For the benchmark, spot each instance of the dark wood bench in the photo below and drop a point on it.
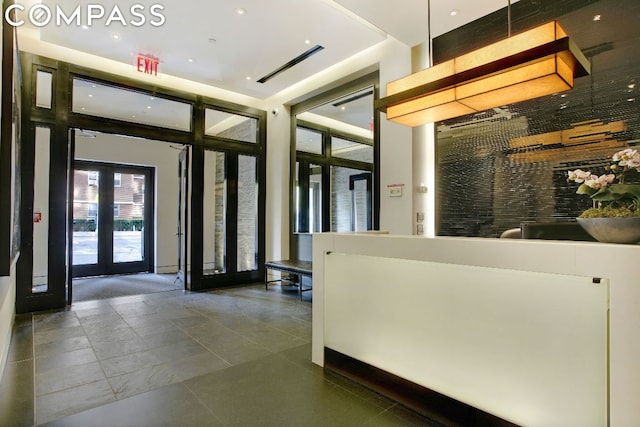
(296, 268)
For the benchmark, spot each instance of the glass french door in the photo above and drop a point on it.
(112, 219)
(232, 220)
(183, 216)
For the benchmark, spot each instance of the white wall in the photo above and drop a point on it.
(395, 150)
(393, 60)
(164, 157)
(278, 159)
(7, 314)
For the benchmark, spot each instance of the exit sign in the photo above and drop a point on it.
(148, 64)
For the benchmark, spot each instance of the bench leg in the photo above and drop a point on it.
(300, 285)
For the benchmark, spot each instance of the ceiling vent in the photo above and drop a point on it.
(298, 59)
(352, 98)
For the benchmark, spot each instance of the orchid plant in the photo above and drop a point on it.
(611, 199)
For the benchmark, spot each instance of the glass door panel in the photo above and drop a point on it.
(41, 211)
(86, 191)
(214, 212)
(112, 219)
(247, 214)
(350, 203)
(315, 199)
(128, 217)
(360, 186)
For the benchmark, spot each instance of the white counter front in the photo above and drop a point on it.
(535, 332)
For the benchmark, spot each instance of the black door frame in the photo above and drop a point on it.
(367, 177)
(61, 118)
(105, 264)
(183, 217)
(231, 277)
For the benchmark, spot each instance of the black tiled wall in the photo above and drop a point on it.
(489, 180)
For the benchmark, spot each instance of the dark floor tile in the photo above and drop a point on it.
(59, 334)
(162, 326)
(64, 360)
(191, 321)
(62, 346)
(399, 416)
(61, 379)
(301, 356)
(67, 402)
(108, 350)
(22, 320)
(109, 321)
(236, 351)
(21, 346)
(165, 338)
(92, 309)
(141, 320)
(57, 320)
(272, 339)
(124, 332)
(17, 395)
(195, 366)
(172, 405)
(179, 350)
(272, 390)
(141, 381)
(209, 329)
(129, 363)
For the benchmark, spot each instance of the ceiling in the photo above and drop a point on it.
(211, 42)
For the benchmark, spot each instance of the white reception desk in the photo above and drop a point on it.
(537, 332)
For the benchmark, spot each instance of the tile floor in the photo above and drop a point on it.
(238, 357)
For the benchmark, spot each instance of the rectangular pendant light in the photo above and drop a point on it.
(535, 63)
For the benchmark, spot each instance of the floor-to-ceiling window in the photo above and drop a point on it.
(109, 228)
(334, 153)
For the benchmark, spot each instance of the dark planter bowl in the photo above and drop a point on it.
(612, 230)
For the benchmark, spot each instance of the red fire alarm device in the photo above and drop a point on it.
(37, 216)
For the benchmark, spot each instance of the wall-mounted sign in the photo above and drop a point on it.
(395, 190)
(148, 64)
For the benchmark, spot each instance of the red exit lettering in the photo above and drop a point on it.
(148, 64)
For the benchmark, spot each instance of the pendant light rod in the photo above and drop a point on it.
(429, 33)
(509, 18)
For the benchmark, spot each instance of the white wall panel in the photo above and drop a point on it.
(528, 347)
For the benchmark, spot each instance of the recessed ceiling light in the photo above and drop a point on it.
(248, 77)
(190, 59)
(148, 107)
(307, 41)
(343, 108)
(597, 17)
(116, 36)
(241, 11)
(454, 12)
(90, 95)
(85, 27)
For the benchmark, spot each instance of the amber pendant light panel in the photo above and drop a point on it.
(535, 63)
